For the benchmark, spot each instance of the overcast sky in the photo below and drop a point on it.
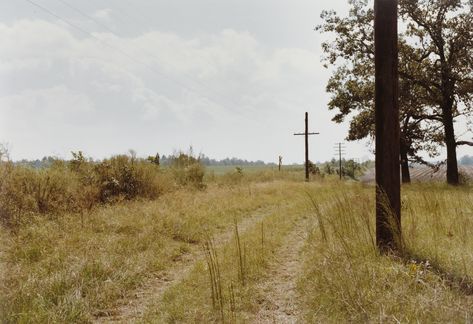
(229, 77)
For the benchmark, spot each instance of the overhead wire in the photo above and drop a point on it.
(107, 44)
(82, 13)
(129, 17)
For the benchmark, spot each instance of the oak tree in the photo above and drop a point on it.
(435, 69)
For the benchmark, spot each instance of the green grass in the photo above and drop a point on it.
(72, 267)
(219, 170)
(345, 278)
(68, 269)
(240, 263)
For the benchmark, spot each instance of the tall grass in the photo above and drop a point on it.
(79, 185)
(438, 226)
(58, 269)
(242, 263)
(346, 279)
(89, 235)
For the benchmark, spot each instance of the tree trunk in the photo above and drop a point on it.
(450, 142)
(405, 172)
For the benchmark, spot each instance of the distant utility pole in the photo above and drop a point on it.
(339, 151)
(306, 134)
(388, 212)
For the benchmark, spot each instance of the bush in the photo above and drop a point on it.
(188, 171)
(79, 185)
(25, 191)
(464, 177)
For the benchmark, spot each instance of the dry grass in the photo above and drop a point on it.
(347, 280)
(438, 227)
(68, 269)
(74, 267)
(222, 287)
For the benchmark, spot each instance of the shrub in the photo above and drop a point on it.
(24, 191)
(313, 169)
(188, 171)
(124, 177)
(465, 178)
(80, 185)
(234, 177)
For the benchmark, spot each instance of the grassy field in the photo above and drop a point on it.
(258, 247)
(219, 170)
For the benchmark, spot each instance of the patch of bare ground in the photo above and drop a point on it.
(134, 306)
(279, 296)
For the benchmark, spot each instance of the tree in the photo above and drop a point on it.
(155, 159)
(435, 68)
(466, 160)
(4, 153)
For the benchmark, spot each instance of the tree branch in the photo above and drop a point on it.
(464, 143)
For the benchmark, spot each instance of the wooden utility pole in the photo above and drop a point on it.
(306, 134)
(340, 147)
(388, 213)
(340, 159)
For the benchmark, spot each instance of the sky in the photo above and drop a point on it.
(230, 78)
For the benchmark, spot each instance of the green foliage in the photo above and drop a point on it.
(435, 70)
(124, 177)
(466, 160)
(24, 191)
(187, 170)
(76, 186)
(155, 159)
(350, 168)
(313, 169)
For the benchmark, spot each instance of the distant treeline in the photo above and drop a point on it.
(466, 160)
(166, 160)
(205, 160)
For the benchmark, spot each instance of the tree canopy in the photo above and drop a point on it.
(435, 68)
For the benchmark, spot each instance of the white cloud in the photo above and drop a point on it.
(57, 104)
(199, 86)
(103, 14)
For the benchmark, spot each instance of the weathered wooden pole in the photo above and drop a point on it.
(340, 159)
(306, 146)
(388, 213)
(306, 136)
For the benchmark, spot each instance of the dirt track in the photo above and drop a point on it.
(133, 308)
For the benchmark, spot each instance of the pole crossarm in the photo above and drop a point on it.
(307, 133)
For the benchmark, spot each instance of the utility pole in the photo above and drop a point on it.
(339, 151)
(306, 134)
(388, 213)
(340, 159)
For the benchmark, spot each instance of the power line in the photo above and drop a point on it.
(151, 68)
(87, 16)
(203, 85)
